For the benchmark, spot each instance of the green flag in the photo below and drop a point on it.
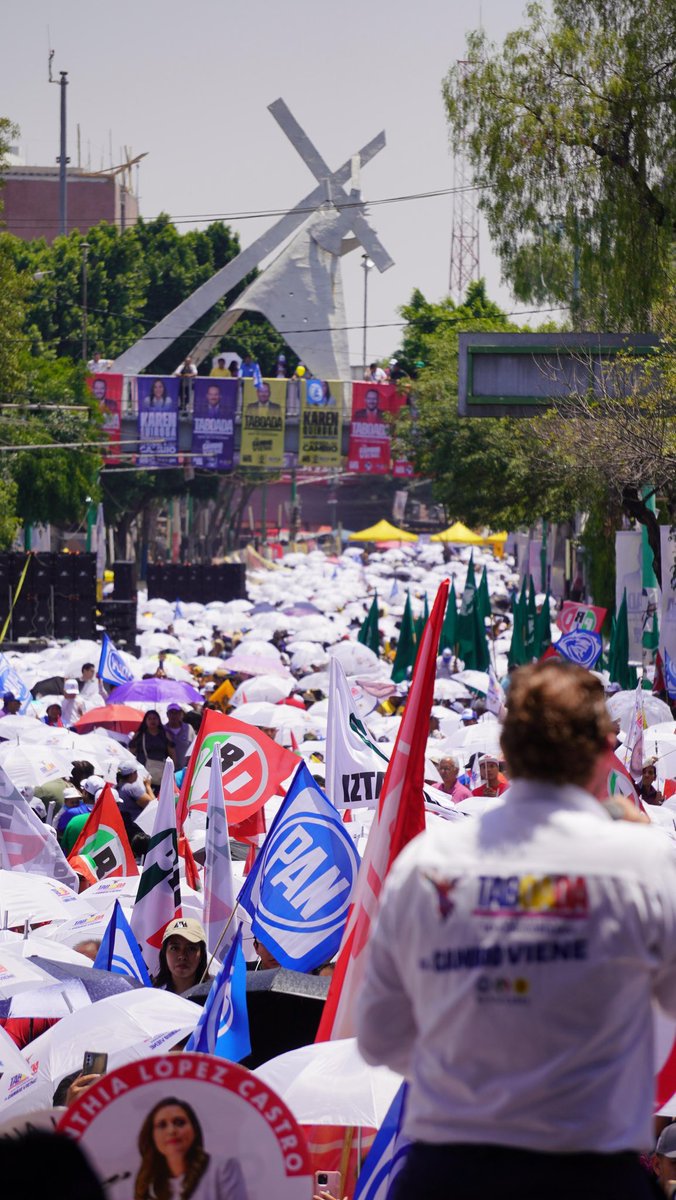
(368, 634)
(472, 646)
(543, 629)
(449, 632)
(618, 653)
(484, 596)
(406, 646)
(516, 656)
(530, 614)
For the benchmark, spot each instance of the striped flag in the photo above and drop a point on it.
(219, 891)
(158, 899)
(400, 817)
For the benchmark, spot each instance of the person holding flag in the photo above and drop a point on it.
(527, 1041)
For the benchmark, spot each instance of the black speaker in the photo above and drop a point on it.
(84, 574)
(124, 587)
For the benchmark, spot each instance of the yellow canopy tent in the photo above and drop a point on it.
(496, 541)
(459, 534)
(382, 532)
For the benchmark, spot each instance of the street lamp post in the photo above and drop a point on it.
(366, 264)
(84, 246)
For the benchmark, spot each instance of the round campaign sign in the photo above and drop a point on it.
(204, 1125)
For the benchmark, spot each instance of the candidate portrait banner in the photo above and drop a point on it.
(369, 449)
(263, 408)
(213, 426)
(107, 389)
(157, 420)
(320, 423)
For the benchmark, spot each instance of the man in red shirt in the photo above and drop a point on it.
(494, 783)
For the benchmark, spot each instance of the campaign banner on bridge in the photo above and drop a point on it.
(298, 891)
(369, 449)
(157, 420)
(107, 389)
(263, 408)
(320, 423)
(213, 425)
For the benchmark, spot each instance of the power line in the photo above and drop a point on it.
(267, 213)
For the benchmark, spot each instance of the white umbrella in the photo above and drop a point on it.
(127, 1026)
(62, 934)
(302, 660)
(102, 895)
(29, 729)
(37, 898)
(256, 645)
(32, 765)
(329, 1083)
(355, 659)
(621, 708)
(316, 681)
(270, 688)
(476, 680)
(449, 689)
(206, 662)
(260, 713)
(482, 739)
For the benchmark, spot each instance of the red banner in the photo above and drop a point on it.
(369, 448)
(107, 389)
(580, 616)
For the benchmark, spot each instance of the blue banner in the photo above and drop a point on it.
(669, 675)
(581, 646)
(112, 667)
(213, 430)
(157, 420)
(387, 1154)
(299, 890)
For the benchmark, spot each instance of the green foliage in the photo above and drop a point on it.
(133, 280)
(570, 128)
(485, 471)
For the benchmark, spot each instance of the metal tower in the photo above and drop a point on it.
(465, 227)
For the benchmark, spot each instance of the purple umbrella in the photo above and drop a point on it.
(155, 691)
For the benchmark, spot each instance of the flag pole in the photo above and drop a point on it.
(225, 930)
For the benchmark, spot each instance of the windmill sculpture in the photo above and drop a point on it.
(300, 292)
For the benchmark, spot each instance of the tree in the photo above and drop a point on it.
(570, 129)
(485, 471)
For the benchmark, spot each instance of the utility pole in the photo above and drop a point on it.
(84, 246)
(366, 264)
(63, 159)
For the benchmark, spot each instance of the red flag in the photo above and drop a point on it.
(192, 875)
(103, 849)
(253, 768)
(400, 817)
(659, 683)
(252, 831)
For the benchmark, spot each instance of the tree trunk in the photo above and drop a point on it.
(635, 506)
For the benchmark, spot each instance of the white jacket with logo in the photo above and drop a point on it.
(511, 972)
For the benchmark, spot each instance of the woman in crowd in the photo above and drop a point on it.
(174, 1163)
(183, 956)
(151, 746)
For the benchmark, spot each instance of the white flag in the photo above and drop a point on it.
(158, 899)
(495, 696)
(355, 767)
(219, 892)
(25, 843)
(636, 735)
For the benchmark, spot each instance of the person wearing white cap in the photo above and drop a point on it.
(73, 706)
(183, 956)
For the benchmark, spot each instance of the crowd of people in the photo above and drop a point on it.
(567, 1077)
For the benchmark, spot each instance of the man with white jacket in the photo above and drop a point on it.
(513, 967)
